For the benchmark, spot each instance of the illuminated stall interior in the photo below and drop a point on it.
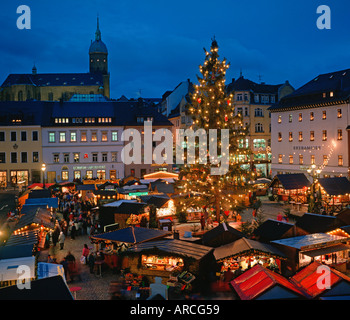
(334, 193)
(291, 187)
(245, 253)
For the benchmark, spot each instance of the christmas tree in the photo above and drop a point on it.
(212, 107)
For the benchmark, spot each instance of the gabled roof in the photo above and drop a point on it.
(41, 289)
(158, 201)
(272, 230)
(256, 281)
(245, 246)
(291, 181)
(316, 223)
(39, 216)
(174, 246)
(307, 279)
(335, 186)
(221, 235)
(242, 84)
(132, 235)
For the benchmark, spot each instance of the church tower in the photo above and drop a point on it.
(98, 54)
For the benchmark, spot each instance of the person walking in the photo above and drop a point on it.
(91, 261)
(61, 239)
(73, 231)
(85, 253)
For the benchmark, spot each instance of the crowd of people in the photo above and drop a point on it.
(75, 218)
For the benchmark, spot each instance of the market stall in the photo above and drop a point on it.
(325, 248)
(291, 187)
(114, 242)
(334, 193)
(175, 261)
(245, 253)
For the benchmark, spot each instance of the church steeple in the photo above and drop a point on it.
(98, 32)
(98, 53)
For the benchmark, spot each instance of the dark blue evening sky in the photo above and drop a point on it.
(154, 45)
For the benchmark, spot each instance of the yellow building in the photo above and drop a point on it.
(252, 101)
(20, 143)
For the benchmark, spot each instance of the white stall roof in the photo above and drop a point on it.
(9, 268)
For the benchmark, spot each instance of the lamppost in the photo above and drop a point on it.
(43, 168)
(314, 173)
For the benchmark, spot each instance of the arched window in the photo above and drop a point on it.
(259, 127)
(20, 95)
(259, 112)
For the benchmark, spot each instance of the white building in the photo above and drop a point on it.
(83, 142)
(309, 127)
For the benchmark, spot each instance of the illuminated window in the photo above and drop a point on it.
(300, 117)
(279, 136)
(104, 136)
(300, 136)
(290, 118)
(279, 119)
(324, 135)
(52, 137)
(301, 159)
(312, 116)
(83, 137)
(62, 137)
(339, 115)
(340, 160)
(65, 175)
(280, 158)
(312, 135)
(324, 115)
(89, 174)
(291, 159)
(76, 157)
(114, 135)
(325, 160)
(94, 136)
(290, 136)
(340, 134)
(312, 159)
(73, 137)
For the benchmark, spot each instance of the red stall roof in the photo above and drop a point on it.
(307, 279)
(255, 281)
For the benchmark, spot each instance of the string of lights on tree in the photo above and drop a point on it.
(212, 107)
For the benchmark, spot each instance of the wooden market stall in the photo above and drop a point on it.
(335, 193)
(326, 248)
(221, 235)
(114, 242)
(291, 187)
(307, 279)
(245, 253)
(123, 212)
(173, 260)
(259, 283)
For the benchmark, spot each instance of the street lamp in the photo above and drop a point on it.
(43, 168)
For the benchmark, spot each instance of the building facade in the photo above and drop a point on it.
(21, 142)
(310, 127)
(252, 101)
(61, 86)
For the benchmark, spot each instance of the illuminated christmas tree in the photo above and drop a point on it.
(212, 107)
